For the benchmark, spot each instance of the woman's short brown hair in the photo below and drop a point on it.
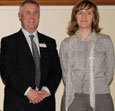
(84, 4)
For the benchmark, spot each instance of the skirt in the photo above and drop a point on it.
(81, 102)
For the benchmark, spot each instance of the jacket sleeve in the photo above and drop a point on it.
(63, 60)
(8, 64)
(110, 60)
(55, 72)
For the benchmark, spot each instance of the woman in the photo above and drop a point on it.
(87, 60)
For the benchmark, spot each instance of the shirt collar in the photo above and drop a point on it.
(27, 33)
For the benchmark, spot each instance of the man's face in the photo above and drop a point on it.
(29, 17)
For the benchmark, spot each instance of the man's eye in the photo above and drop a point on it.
(36, 13)
(27, 12)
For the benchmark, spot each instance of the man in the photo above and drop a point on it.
(20, 65)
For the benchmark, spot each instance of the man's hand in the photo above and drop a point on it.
(43, 94)
(34, 96)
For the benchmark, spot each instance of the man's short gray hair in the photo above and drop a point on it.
(29, 2)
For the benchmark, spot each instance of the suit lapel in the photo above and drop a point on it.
(43, 53)
(42, 41)
(24, 44)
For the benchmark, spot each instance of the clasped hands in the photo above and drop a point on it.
(36, 96)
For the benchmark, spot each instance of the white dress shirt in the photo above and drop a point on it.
(26, 34)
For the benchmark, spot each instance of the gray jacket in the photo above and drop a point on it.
(103, 64)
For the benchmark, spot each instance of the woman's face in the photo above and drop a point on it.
(85, 18)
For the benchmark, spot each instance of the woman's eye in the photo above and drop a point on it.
(80, 13)
(89, 13)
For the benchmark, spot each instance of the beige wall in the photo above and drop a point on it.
(53, 22)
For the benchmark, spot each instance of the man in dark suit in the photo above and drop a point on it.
(18, 65)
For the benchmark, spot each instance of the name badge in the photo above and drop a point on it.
(42, 45)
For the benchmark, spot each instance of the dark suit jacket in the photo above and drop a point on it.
(18, 72)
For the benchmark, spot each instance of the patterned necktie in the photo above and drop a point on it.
(36, 57)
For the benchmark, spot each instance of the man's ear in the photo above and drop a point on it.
(19, 15)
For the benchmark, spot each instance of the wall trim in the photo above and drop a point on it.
(7, 8)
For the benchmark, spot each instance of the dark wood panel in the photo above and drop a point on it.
(54, 2)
